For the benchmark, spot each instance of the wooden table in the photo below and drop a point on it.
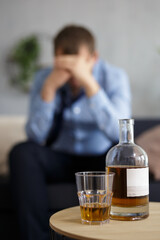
(67, 223)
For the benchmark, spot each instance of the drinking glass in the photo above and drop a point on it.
(94, 191)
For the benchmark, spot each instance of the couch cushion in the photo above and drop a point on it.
(11, 131)
(150, 142)
(141, 125)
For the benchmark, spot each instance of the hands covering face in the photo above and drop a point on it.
(68, 67)
(77, 66)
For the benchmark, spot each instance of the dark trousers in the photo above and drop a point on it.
(31, 168)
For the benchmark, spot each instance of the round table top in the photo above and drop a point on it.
(68, 223)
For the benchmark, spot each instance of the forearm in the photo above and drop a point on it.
(49, 89)
(56, 79)
(91, 86)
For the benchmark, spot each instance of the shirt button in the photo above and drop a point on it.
(102, 127)
(76, 110)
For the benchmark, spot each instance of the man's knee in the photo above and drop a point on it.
(20, 152)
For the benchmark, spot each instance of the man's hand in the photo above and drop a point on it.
(81, 70)
(55, 80)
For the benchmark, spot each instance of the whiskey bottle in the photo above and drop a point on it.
(129, 162)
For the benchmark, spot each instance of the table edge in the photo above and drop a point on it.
(71, 235)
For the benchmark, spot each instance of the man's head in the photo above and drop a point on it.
(76, 41)
(71, 38)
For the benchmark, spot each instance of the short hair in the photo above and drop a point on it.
(71, 37)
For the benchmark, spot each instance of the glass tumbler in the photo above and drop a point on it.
(95, 196)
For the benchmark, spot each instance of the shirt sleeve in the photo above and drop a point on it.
(112, 102)
(41, 113)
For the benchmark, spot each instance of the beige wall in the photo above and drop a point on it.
(128, 34)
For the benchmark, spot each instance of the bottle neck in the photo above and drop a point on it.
(126, 133)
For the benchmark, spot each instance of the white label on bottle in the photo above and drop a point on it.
(137, 182)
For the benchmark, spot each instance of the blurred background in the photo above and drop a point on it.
(127, 35)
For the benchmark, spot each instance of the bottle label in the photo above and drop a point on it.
(137, 182)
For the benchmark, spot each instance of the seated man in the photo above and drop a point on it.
(73, 121)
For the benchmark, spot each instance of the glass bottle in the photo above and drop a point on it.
(131, 182)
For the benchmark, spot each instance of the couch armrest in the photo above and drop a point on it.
(12, 131)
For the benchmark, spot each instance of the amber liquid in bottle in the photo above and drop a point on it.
(120, 198)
